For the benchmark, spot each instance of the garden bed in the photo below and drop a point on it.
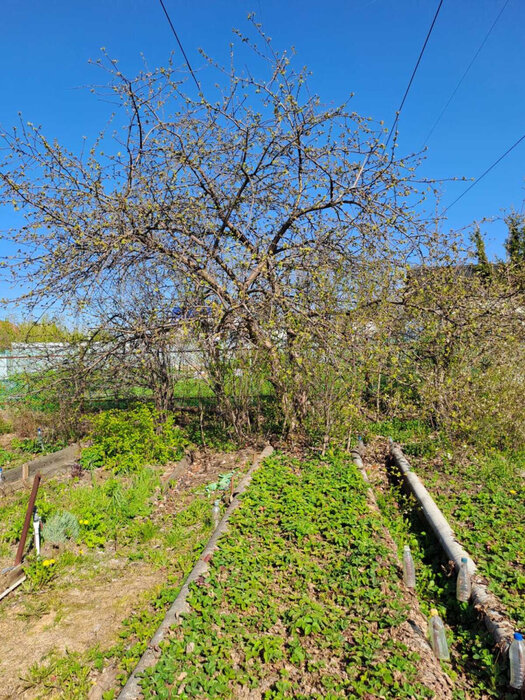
(479, 670)
(303, 599)
(481, 495)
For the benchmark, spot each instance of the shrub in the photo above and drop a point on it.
(125, 441)
(61, 527)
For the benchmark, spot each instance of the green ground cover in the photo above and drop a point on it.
(481, 494)
(303, 598)
(482, 497)
(476, 670)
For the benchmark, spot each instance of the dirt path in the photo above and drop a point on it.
(37, 626)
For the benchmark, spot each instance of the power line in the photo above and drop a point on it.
(413, 73)
(180, 45)
(454, 91)
(487, 171)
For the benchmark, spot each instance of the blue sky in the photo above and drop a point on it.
(367, 47)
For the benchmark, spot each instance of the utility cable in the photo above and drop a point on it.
(413, 73)
(180, 45)
(365, 160)
(454, 91)
(487, 171)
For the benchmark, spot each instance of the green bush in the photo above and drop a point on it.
(125, 441)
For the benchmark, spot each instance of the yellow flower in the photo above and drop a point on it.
(512, 491)
(48, 562)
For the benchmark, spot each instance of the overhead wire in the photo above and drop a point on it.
(398, 113)
(486, 172)
(180, 45)
(460, 81)
(396, 119)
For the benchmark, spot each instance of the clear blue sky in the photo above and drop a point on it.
(367, 47)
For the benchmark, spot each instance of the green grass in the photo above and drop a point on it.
(301, 601)
(111, 508)
(118, 517)
(192, 388)
(175, 545)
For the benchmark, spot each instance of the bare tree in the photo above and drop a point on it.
(260, 205)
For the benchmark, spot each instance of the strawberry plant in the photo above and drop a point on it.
(300, 601)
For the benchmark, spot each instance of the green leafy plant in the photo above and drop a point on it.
(301, 564)
(221, 485)
(124, 441)
(39, 572)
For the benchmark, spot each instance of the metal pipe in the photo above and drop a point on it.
(27, 521)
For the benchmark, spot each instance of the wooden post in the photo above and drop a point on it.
(27, 521)
(25, 472)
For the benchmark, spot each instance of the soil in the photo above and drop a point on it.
(75, 622)
(6, 439)
(34, 626)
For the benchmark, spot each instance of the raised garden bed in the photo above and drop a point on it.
(303, 599)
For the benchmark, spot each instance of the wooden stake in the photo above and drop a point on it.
(27, 521)
(12, 587)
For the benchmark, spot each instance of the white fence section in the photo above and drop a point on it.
(27, 358)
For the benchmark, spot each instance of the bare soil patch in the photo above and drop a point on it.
(75, 621)
(6, 439)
